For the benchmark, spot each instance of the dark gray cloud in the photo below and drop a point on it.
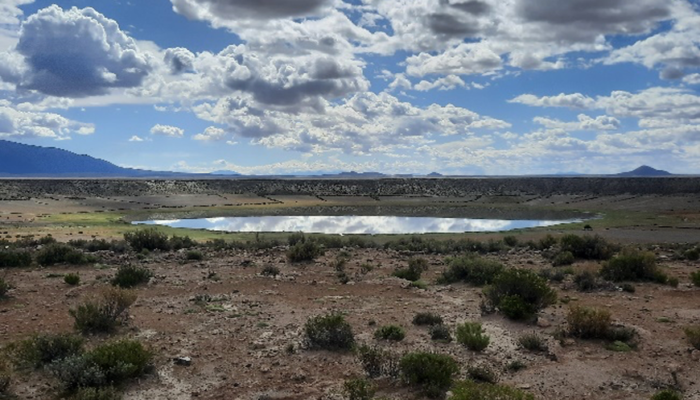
(179, 60)
(249, 9)
(473, 7)
(78, 53)
(600, 16)
(451, 25)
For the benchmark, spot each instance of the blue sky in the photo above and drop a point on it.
(398, 86)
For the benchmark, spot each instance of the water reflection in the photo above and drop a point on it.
(354, 224)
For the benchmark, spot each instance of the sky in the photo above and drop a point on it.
(495, 87)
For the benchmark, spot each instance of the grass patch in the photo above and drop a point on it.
(390, 332)
(471, 335)
(532, 342)
(470, 390)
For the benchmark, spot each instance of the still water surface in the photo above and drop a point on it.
(354, 224)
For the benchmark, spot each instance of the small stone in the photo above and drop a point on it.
(543, 323)
(186, 361)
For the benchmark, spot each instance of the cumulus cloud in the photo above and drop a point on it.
(10, 11)
(179, 60)
(136, 139)
(575, 100)
(74, 53)
(364, 123)
(212, 133)
(584, 123)
(167, 130)
(16, 124)
(249, 9)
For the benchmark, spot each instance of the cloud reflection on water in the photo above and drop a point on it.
(354, 224)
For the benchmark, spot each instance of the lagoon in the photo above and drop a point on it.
(355, 224)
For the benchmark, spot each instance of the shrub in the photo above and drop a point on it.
(56, 253)
(673, 281)
(692, 254)
(427, 318)
(482, 374)
(5, 378)
(270, 270)
(440, 333)
(105, 313)
(390, 332)
(546, 242)
(588, 323)
(471, 269)
(471, 335)
(510, 240)
(296, 237)
(519, 293)
(359, 389)
(667, 394)
(180, 242)
(693, 335)
(72, 279)
(92, 393)
(329, 332)
(149, 239)
(194, 255)
(43, 349)
(628, 287)
(586, 281)
(416, 267)
(695, 278)
(433, 372)
(631, 265)
(377, 362)
(532, 342)
(304, 251)
(515, 366)
(10, 258)
(563, 258)
(128, 276)
(470, 390)
(106, 364)
(587, 247)
(4, 287)
(91, 245)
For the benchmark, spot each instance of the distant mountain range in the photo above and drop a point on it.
(28, 161)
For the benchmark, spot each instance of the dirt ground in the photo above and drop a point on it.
(243, 330)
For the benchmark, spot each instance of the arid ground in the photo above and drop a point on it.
(244, 330)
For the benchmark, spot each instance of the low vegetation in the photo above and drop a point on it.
(329, 332)
(693, 335)
(72, 279)
(57, 253)
(104, 313)
(390, 332)
(377, 362)
(587, 247)
(471, 269)
(306, 250)
(128, 276)
(40, 350)
(359, 389)
(519, 294)
(633, 265)
(588, 323)
(427, 318)
(471, 335)
(532, 342)
(416, 267)
(440, 333)
(667, 394)
(432, 372)
(12, 258)
(471, 390)
(4, 287)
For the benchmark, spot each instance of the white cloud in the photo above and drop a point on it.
(136, 139)
(15, 123)
(449, 82)
(575, 100)
(584, 123)
(212, 133)
(10, 12)
(213, 10)
(75, 53)
(167, 130)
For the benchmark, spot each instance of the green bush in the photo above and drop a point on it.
(586, 281)
(519, 293)
(482, 374)
(329, 332)
(471, 335)
(296, 237)
(693, 335)
(304, 251)
(440, 333)
(588, 323)
(4, 287)
(149, 239)
(10, 258)
(105, 313)
(563, 258)
(632, 265)
(587, 247)
(432, 372)
(72, 279)
(416, 267)
(390, 332)
(107, 364)
(377, 362)
(101, 393)
(470, 390)
(270, 270)
(667, 394)
(427, 318)
(57, 253)
(471, 269)
(546, 242)
(91, 245)
(359, 389)
(532, 342)
(194, 255)
(181, 242)
(43, 349)
(510, 240)
(128, 276)
(695, 278)
(692, 254)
